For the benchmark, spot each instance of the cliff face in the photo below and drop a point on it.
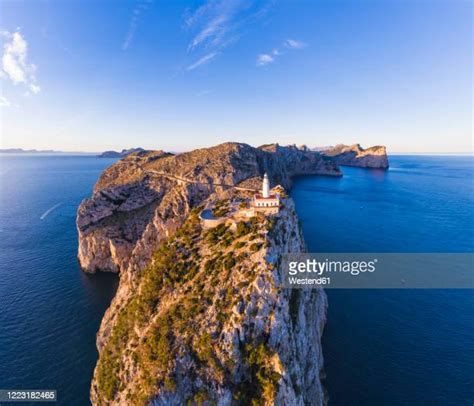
(144, 197)
(200, 315)
(355, 155)
(209, 322)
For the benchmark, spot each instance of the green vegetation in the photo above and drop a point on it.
(215, 235)
(240, 244)
(256, 246)
(263, 383)
(174, 262)
(243, 228)
(221, 208)
(190, 273)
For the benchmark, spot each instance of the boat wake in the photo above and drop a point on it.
(45, 214)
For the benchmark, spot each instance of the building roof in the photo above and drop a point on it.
(271, 197)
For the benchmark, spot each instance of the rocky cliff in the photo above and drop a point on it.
(200, 316)
(355, 155)
(121, 154)
(207, 322)
(145, 196)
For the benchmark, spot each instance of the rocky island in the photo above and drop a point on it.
(354, 155)
(200, 316)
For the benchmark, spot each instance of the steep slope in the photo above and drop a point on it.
(209, 322)
(199, 315)
(355, 155)
(145, 196)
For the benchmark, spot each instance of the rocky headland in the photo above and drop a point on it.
(354, 155)
(200, 316)
(121, 154)
(145, 196)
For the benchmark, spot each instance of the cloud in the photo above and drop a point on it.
(140, 7)
(202, 61)
(219, 23)
(213, 21)
(15, 65)
(35, 89)
(4, 102)
(294, 44)
(265, 59)
(191, 18)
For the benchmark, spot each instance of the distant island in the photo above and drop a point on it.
(105, 154)
(42, 151)
(121, 154)
(28, 151)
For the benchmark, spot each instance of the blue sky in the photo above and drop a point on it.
(175, 75)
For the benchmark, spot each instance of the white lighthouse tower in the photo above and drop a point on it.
(266, 202)
(265, 187)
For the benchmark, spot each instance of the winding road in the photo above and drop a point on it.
(185, 180)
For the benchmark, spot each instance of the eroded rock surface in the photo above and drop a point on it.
(145, 196)
(200, 316)
(355, 155)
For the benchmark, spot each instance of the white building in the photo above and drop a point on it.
(265, 201)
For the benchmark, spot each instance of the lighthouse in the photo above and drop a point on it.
(266, 202)
(265, 187)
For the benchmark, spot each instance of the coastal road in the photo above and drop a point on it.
(186, 180)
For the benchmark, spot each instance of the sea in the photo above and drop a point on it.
(381, 347)
(395, 347)
(50, 310)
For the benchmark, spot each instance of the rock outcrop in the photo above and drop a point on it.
(200, 316)
(355, 155)
(207, 322)
(121, 154)
(145, 196)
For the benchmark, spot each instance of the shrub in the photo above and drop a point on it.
(259, 358)
(221, 208)
(243, 228)
(254, 247)
(229, 261)
(169, 384)
(239, 244)
(106, 374)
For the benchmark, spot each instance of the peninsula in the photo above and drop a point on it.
(200, 314)
(121, 154)
(354, 155)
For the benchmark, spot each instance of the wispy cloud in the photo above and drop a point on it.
(264, 59)
(140, 7)
(4, 102)
(15, 65)
(294, 44)
(219, 23)
(202, 61)
(213, 21)
(267, 58)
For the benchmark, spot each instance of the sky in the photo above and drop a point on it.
(177, 75)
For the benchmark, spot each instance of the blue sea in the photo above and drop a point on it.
(386, 347)
(396, 347)
(50, 310)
